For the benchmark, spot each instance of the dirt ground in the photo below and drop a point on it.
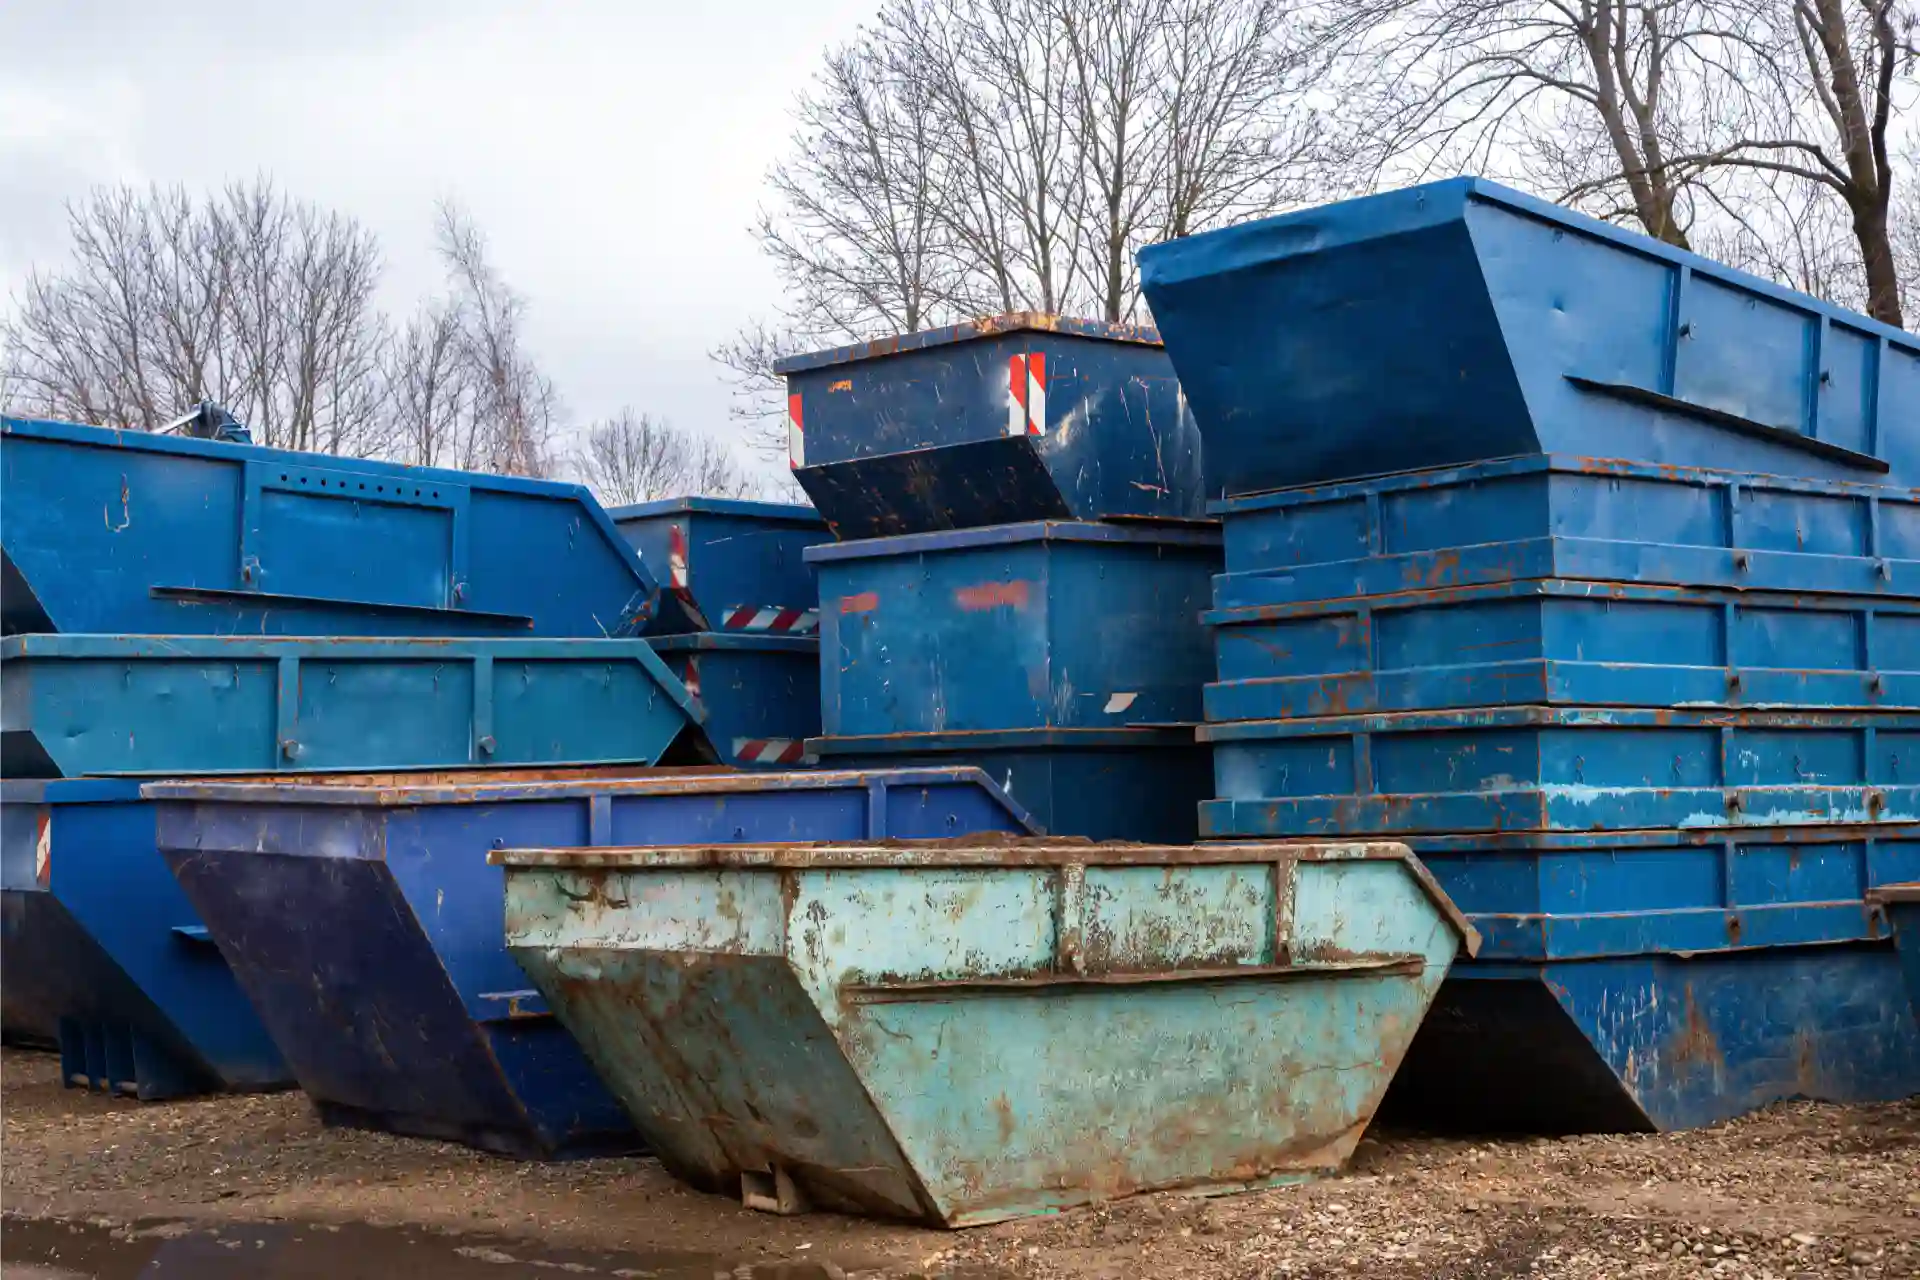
(1803, 1190)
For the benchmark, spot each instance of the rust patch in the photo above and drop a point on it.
(845, 384)
(863, 602)
(994, 595)
(1695, 1045)
(1003, 1116)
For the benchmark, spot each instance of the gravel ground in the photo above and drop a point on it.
(1803, 1190)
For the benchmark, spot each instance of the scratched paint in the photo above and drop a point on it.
(1210, 1019)
(1563, 335)
(349, 911)
(1000, 420)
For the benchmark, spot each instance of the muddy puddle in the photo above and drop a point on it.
(38, 1249)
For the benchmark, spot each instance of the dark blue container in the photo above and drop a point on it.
(1016, 627)
(1017, 417)
(1901, 903)
(366, 926)
(1143, 784)
(117, 532)
(1560, 769)
(26, 1017)
(727, 565)
(1557, 517)
(79, 704)
(1459, 321)
(1663, 979)
(760, 692)
(1560, 642)
(103, 953)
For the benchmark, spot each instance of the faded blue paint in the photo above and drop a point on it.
(911, 434)
(755, 690)
(1901, 903)
(1593, 519)
(966, 1034)
(1560, 769)
(365, 924)
(1103, 784)
(717, 557)
(206, 704)
(102, 949)
(1460, 321)
(1658, 1041)
(113, 532)
(1029, 626)
(1567, 643)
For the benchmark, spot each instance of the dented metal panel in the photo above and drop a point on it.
(728, 565)
(363, 921)
(1460, 321)
(78, 705)
(1561, 769)
(961, 1034)
(113, 532)
(1009, 418)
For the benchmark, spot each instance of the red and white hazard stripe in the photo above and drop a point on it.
(677, 557)
(796, 443)
(1027, 398)
(769, 750)
(753, 617)
(692, 678)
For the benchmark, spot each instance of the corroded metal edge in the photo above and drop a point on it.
(993, 851)
(979, 327)
(399, 789)
(1887, 895)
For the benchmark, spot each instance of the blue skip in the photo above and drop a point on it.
(1661, 980)
(1460, 321)
(76, 705)
(104, 954)
(365, 924)
(997, 421)
(122, 532)
(760, 692)
(727, 565)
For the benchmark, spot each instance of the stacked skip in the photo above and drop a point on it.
(1021, 563)
(739, 619)
(1590, 569)
(181, 606)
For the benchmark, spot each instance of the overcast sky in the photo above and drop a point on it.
(613, 152)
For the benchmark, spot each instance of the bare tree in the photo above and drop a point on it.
(636, 457)
(970, 156)
(514, 401)
(1829, 74)
(1596, 97)
(431, 402)
(250, 298)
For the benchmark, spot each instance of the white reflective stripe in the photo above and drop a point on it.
(1016, 394)
(796, 439)
(1036, 396)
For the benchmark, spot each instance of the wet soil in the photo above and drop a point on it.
(94, 1187)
